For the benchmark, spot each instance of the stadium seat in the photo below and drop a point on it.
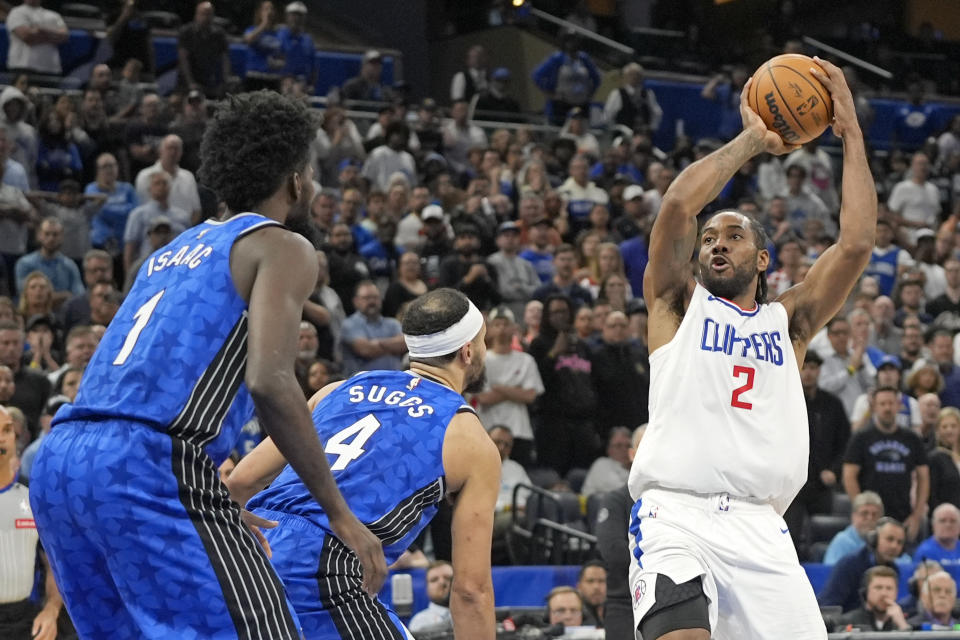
(543, 477)
(550, 530)
(841, 504)
(824, 527)
(816, 551)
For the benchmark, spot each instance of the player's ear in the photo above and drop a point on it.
(295, 186)
(763, 260)
(466, 353)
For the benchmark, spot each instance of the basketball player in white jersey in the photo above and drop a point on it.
(726, 448)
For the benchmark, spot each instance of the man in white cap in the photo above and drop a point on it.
(367, 85)
(297, 46)
(398, 443)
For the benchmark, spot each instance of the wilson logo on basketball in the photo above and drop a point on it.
(779, 122)
(24, 523)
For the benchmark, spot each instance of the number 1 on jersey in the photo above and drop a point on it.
(142, 316)
(735, 400)
(347, 452)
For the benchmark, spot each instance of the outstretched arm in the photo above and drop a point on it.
(820, 296)
(674, 232)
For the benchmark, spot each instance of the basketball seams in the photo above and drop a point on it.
(823, 100)
(786, 105)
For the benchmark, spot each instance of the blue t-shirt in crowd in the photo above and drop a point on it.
(930, 549)
(107, 227)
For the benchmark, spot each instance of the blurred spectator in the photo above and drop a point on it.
(460, 135)
(466, 270)
(338, 144)
(944, 459)
(265, 56)
(189, 125)
(111, 221)
(790, 258)
(847, 373)
(129, 34)
(909, 299)
(104, 302)
(927, 430)
(512, 473)
(915, 201)
(74, 211)
(297, 46)
(97, 267)
(36, 297)
(436, 245)
(883, 458)
(15, 215)
(884, 545)
(21, 138)
(57, 157)
(473, 79)
(661, 181)
(803, 204)
(563, 281)
(532, 317)
(879, 610)
(886, 336)
(183, 195)
(568, 78)
(819, 167)
(865, 510)
(888, 375)
(406, 287)
(934, 275)
(391, 158)
(367, 86)
(632, 104)
(940, 345)
(370, 341)
(136, 240)
(941, 546)
(144, 134)
(61, 270)
(81, 343)
(202, 54)
(580, 194)
(565, 606)
(516, 277)
(539, 253)
(565, 435)
(380, 252)
(159, 232)
(829, 433)
(725, 89)
(609, 472)
(577, 128)
(620, 376)
(497, 97)
(513, 383)
(32, 386)
(43, 354)
(13, 172)
(914, 121)
(347, 268)
(592, 586)
(949, 301)
(35, 33)
(911, 349)
(938, 595)
(324, 308)
(439, 578)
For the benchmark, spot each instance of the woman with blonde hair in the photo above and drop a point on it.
(588, 244)
(36, 296)
(616, 290)
(532, 178)
(924, 377)
(944, 460)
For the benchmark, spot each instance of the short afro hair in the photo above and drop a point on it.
(431, 313)
(253, 143)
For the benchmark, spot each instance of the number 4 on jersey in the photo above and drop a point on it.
(735, 400)
(347, 452)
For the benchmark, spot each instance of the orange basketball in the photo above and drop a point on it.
(790, 99)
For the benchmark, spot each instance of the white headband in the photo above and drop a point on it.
(450, 339)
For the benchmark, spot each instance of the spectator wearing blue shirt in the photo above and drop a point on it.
(62, 271)
(569, 78)
(58, 159)
(884, 545)
(369, 340)
(264, 48)
(108, 225)
(136, 243)
(915, 121)
(297, 46)
(380, 252)
(13, 172)
(866, 510)
(940, 345)
(942, 545)
(564, 282)
(538, 253)
(726, 90)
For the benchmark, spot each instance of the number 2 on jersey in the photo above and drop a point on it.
(735, 400)
(142, 316)
(347, 452)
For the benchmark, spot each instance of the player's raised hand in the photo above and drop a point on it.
(844, 111)
(769, 141)
(368, 548)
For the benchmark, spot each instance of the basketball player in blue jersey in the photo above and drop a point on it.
(144, 539)
(726, 448)
(398, 443)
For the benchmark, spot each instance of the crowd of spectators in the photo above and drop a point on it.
(547, 233)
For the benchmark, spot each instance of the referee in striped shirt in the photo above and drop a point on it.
(20, 617)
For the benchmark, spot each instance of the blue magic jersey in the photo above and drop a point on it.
(383, 433)
(174, 356)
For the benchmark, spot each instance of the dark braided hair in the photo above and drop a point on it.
(760, 241)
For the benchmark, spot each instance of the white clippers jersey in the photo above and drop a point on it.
(727, 413)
